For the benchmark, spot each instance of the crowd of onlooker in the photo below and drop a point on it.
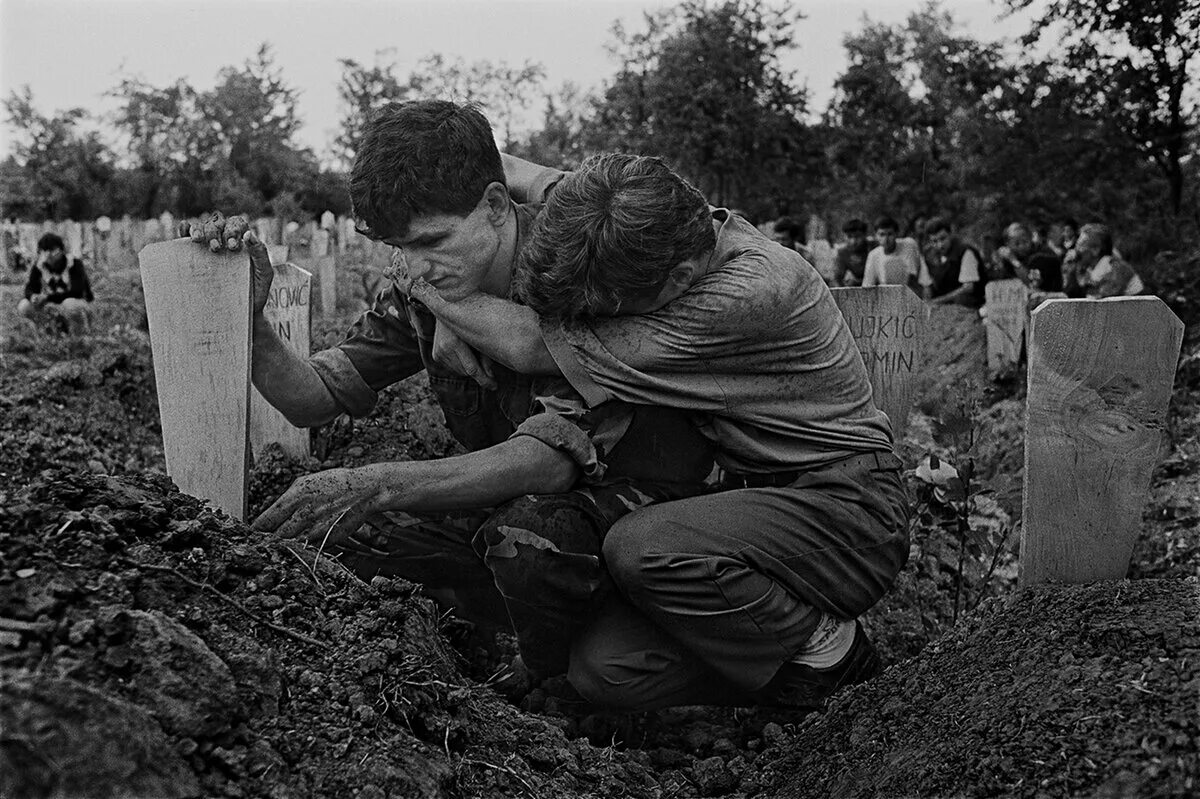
(944, 267)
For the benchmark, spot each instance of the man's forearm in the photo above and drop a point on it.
(287, 381)
(513, 468)
(523, 177)
(501, 329)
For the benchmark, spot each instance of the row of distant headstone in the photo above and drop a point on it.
(99, 242)
(1099, 378)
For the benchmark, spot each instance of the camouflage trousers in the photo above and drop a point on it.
(533, 565)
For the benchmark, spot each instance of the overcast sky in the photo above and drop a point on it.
(71, 51)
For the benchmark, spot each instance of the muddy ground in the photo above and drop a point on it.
(150, 647)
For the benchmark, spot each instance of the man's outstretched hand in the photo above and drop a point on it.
(219, 232)
(324, 508)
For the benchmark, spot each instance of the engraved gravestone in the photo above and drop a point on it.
(288, 312)
(888, 324)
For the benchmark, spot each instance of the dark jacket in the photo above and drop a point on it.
(58, 286)
(945, 272)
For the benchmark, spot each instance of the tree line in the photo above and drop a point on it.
(1091, 114)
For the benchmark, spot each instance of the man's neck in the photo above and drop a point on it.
(499, 275)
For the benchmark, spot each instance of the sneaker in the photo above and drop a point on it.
(800, 686)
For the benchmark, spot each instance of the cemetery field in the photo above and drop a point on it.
(152, 647)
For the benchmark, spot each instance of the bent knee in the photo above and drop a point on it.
(599, 680)
(633, 545)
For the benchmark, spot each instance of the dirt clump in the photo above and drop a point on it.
(151, 647)
(1058, 691)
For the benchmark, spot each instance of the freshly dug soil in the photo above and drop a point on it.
(1058, 691)
(151, 647)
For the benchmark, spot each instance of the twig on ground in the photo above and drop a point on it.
(212, 589)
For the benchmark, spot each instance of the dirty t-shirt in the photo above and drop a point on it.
(756, 347)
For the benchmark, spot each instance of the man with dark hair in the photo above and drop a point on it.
(789, 232)
(953, 269)
(750, 594)
(852, 255)
(1020, 258)
(427, 180)
(895, 261)
(57, 287)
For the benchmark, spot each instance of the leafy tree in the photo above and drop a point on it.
(360, 90)
(171, 146)
(504, 91)
(703, 87)
(1132, 60)
(913, 116)
(560, 142)
(60, 170)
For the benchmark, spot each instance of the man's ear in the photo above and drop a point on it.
(498, 203)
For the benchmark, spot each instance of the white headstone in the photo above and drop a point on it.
(198, 309)
(288, 311)
(888, 324)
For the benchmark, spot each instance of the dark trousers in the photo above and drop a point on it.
(718, 591)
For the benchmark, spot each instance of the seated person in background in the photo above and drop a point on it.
(1018, 257)
(1095, 270)
(790, 233)
(953, 269)
(852, 255)
(895, 261)
(638, 291)
(57, 287)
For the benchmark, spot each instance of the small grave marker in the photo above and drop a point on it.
(73, 238)
(1100, 377)
(1007, 311)
(278, 253)
(198, 309)
(326, 273)
(319, 243)
(10, 295)
(888, 324)
(288, 311)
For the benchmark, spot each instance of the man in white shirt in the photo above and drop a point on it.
(895, 261)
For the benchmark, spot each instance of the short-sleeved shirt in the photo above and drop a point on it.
(756, 347)
(894, 268)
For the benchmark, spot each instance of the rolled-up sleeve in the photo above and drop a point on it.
(383, 347)
(564, 435)
(344, 382)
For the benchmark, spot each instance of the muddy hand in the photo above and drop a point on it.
(217, 231)
(264, 273)
(322, 509)
(453, 353)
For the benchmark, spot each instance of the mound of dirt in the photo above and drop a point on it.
(1058, 691)
(151, 647)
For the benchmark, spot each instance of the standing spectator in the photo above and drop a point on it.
(1095, 270)
(57, 286)
(896, 261)
(1037, 267)
(852, 256)
(1068, 236)
(953, 269)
